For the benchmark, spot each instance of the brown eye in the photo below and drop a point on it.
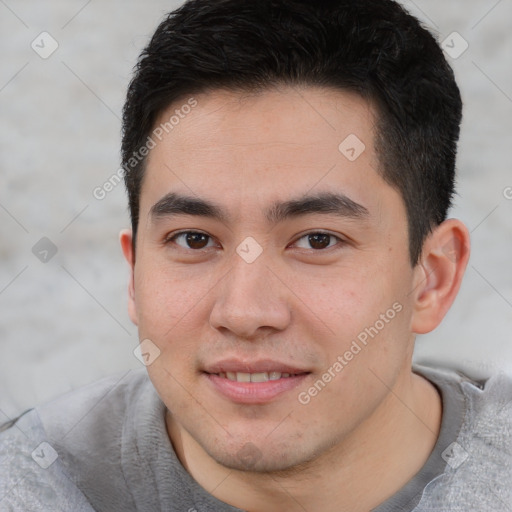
(196, 240)
(191, 240)
(319, 240)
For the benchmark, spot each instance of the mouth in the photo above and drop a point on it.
(257, 376)
(253, 383)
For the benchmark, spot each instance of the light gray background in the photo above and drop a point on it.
(64, 323)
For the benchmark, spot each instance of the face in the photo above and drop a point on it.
(275, 306)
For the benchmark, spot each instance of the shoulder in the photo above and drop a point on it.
(40, 450)
(478, 473)
(487, 408)
(105, 401)
(483, 397)
(488, 424)
(488, 412)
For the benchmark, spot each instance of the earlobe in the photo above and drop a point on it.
(439, 274)
(125, 237)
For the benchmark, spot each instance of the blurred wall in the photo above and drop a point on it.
(65, 69)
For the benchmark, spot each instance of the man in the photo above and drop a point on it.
(289, 168)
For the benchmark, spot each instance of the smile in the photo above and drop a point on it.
(255, 387)
(254, 377)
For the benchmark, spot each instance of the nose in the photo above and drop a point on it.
(249, 299)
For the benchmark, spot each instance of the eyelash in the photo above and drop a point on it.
(173, 236)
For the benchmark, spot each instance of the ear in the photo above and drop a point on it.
(438, 275)
(125, 237)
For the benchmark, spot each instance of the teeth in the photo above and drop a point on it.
(253, 377)
(243, 377)
(259, 377)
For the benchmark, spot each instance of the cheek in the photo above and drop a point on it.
(365, 307)
(345, 300)
(166, 300)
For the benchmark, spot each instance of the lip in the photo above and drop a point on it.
(245, 366)
(254, 392)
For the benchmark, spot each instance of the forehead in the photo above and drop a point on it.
(269, 117)
(240, 148)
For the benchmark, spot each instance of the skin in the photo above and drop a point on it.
(373, 426)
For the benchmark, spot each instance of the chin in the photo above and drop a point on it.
(251, 458)
(264, 464)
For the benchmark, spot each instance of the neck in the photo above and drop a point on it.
(366, 468)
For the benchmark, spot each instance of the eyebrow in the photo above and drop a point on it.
(325, 203)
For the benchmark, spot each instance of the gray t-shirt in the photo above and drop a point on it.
(104, 448)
